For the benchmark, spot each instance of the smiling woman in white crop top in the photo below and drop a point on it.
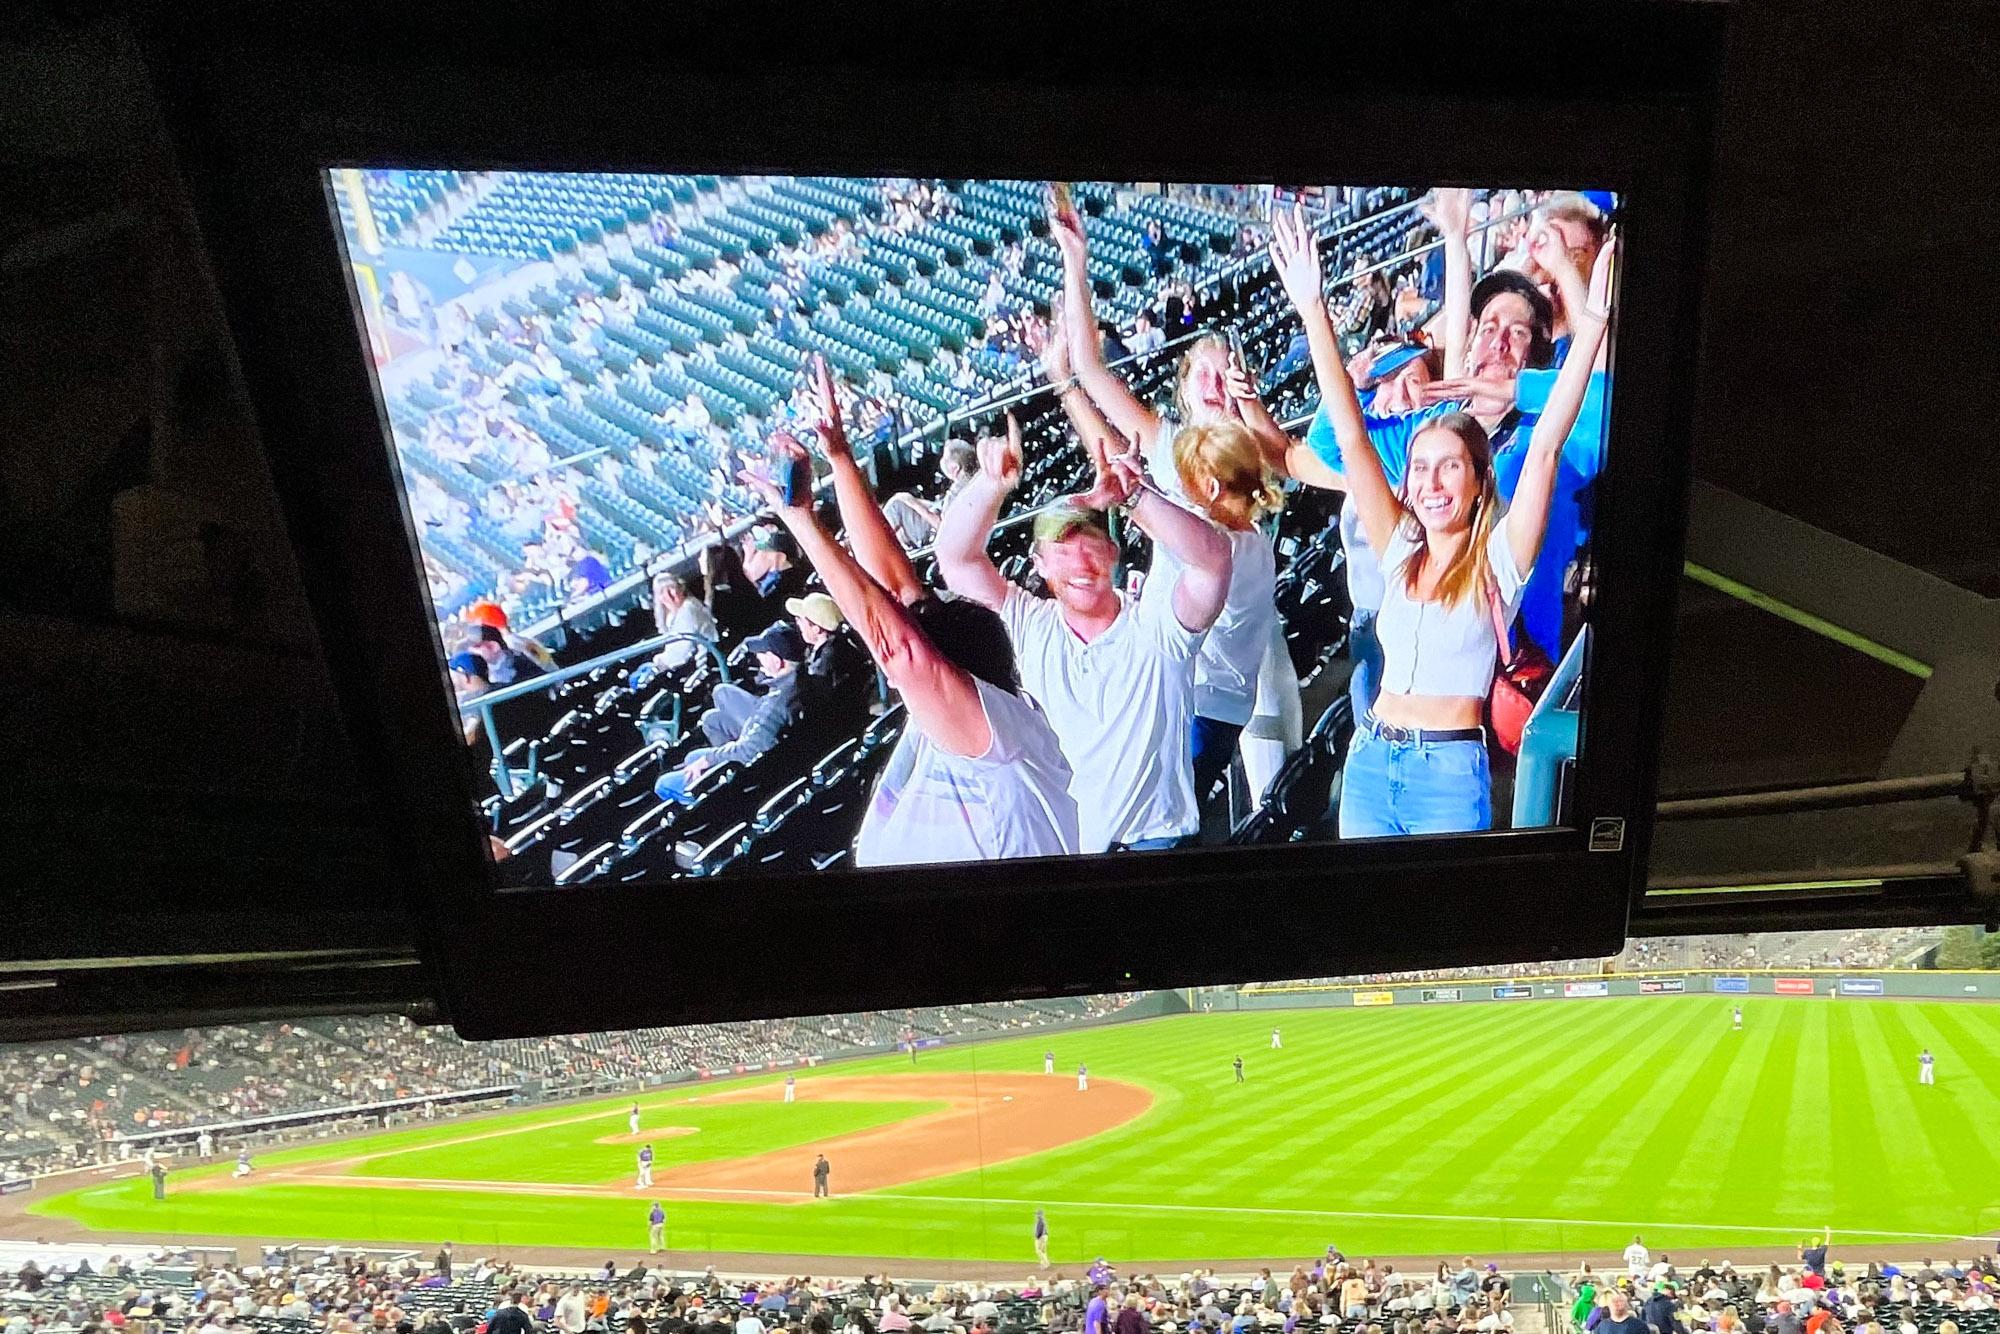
(1450, 552)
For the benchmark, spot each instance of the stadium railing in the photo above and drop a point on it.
(1549, 740)
(503, 772)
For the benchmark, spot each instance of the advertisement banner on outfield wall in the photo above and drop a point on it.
(1439, 995)
(1586, 988)
(1793, 986)
(1514, 993)
(1661, 986)
(1741, 984)
(1374, 998)
(1860, 986)
(16, 1187)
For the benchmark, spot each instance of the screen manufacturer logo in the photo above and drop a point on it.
(1586, 988)
(1741, 984)
(1513, 993)
(1860, 986)
(1607, 834)
(1439, 995)
(1661, 986)
(1374, 998)
(1793, 986)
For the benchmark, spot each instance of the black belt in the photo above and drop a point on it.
(1417, 736)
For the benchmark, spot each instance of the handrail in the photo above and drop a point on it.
(1549, 737)
(503, 773)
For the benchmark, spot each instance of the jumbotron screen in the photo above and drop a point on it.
(797, 523)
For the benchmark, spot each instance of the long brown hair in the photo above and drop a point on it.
(1469, 573)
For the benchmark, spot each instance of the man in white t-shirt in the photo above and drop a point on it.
(1638, 1260)
(1115, 678)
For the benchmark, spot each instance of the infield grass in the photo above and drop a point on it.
(1531, 1128)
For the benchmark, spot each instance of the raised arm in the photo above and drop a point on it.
(1092, 430)
(1451, 210)
(1282, 454)
(1127, 413)
(875, 544)
(1201, 548)
(1528, 513)
(941, 696)
(968, 522)
(1295, 256)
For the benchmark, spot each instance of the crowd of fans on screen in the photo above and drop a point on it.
(522, 527)
(71, 1104)
(1733, 953)
(169, 1292)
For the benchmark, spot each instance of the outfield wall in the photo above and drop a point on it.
(1800, 982)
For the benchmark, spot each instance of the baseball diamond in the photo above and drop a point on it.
(1504, 1130)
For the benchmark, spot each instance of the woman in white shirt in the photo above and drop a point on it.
(1454, 562)
(978, 774)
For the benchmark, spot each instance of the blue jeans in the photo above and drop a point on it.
(1365, 648)
(1150, 844)
(1413, 787)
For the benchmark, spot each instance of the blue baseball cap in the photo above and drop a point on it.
(1393, 359)
(469, 663)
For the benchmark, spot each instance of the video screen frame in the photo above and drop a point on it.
(1107, 920)
(863, 333)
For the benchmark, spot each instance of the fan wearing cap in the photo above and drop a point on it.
(835, 660)
(1503, 380)
(978, 773)
(1455, 560)
(742, 726)
(487, 612)
(1209, 459)
(1116, 678)
(468, 683)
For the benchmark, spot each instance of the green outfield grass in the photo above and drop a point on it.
(1531, 1128)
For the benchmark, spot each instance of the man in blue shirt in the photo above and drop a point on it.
(1511, 349)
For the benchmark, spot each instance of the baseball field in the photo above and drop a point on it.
(1533, 1129)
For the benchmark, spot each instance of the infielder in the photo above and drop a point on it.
(1048, 1062)
(1083, 1079)
(645, 1167)
(1041, 1239)
(656, 1229)
(791, 1088)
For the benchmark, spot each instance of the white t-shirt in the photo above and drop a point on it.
(1637, 1257)
(1225, 670)
(1122, 706)
(692, 617)
(1431, 649)
(931, 806)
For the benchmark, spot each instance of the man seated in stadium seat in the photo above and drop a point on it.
(741, 726)
(915, 520)
(978, 774)
(835, 661)
(676, 613)
(1116, 677)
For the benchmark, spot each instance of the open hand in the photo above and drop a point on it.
(1000, 457)
(1450, 211)
(826, 403)
(1295, 258)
